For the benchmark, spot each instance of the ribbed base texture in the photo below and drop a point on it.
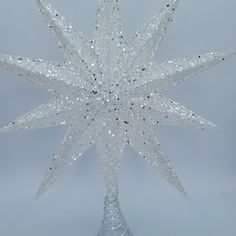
(113, 223)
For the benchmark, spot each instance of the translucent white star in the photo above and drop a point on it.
(109, 91)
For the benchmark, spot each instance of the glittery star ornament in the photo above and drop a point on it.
(109, 91)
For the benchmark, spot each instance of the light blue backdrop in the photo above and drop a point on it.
(205, 160)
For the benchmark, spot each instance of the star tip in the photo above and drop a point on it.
(215, 127)
(3, 130)
(8, 128)
(41, 3)
(175, 2)
(212, 126)
(206, 125)
(185, 195)
(3, 58)
(38, 1)
(183, 192)
(36, 197)
(39, 194)
(229, 53)
(233, 52)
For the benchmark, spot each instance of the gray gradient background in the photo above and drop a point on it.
(205, 160)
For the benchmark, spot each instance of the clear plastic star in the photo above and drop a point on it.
(109, 91)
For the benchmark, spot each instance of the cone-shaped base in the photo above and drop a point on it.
(113, 223)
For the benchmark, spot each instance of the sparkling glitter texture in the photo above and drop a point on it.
(109, 91)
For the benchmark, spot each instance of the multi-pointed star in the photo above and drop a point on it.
(109, 91)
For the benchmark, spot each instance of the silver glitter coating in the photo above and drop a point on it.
(109, 91)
